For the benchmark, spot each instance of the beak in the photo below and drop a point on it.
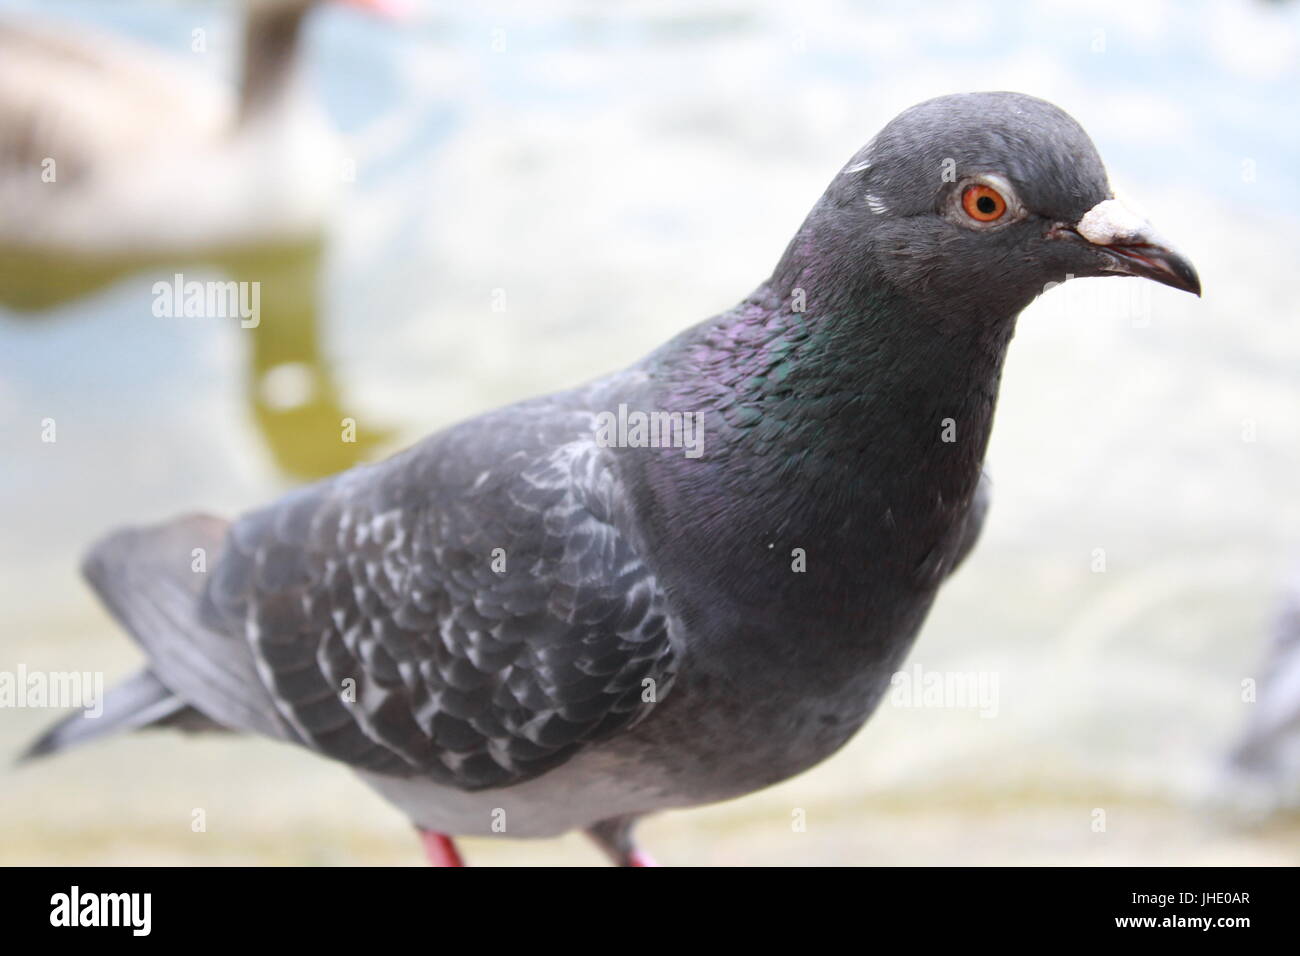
(1130, 246)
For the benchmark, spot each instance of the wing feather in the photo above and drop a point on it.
(391, 637)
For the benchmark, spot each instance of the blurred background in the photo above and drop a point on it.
(470, 204)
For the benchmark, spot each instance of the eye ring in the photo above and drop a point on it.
(983, 203)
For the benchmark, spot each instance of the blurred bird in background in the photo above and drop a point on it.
(116, 158)
(1263, 766)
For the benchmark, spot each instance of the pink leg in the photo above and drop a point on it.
(440, 849)
(640, 858)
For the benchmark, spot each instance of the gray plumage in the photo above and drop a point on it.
(653, 640)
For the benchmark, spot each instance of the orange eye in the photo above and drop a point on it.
(983, 203)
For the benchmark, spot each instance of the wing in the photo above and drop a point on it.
(471, 610)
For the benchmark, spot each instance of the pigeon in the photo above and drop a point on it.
(671, 586)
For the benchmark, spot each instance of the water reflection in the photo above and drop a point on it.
(295, 397)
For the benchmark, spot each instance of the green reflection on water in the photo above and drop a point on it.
(293, 394)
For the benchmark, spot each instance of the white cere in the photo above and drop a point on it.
(1108, 222)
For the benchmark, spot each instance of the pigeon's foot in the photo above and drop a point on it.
(440, 849)
(615, 838)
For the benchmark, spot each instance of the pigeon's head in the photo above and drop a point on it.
(982, 199)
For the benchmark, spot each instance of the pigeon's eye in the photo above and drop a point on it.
(983, 203)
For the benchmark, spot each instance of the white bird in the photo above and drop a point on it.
(112, 147)
(116, 158)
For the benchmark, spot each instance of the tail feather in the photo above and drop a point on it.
(141, 700)
(147, 578)
(197, 678)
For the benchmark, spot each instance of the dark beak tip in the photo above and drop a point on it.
(1145, 256)
(1158, 262)
(1185, 271)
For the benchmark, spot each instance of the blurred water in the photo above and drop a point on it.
(621, 172)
